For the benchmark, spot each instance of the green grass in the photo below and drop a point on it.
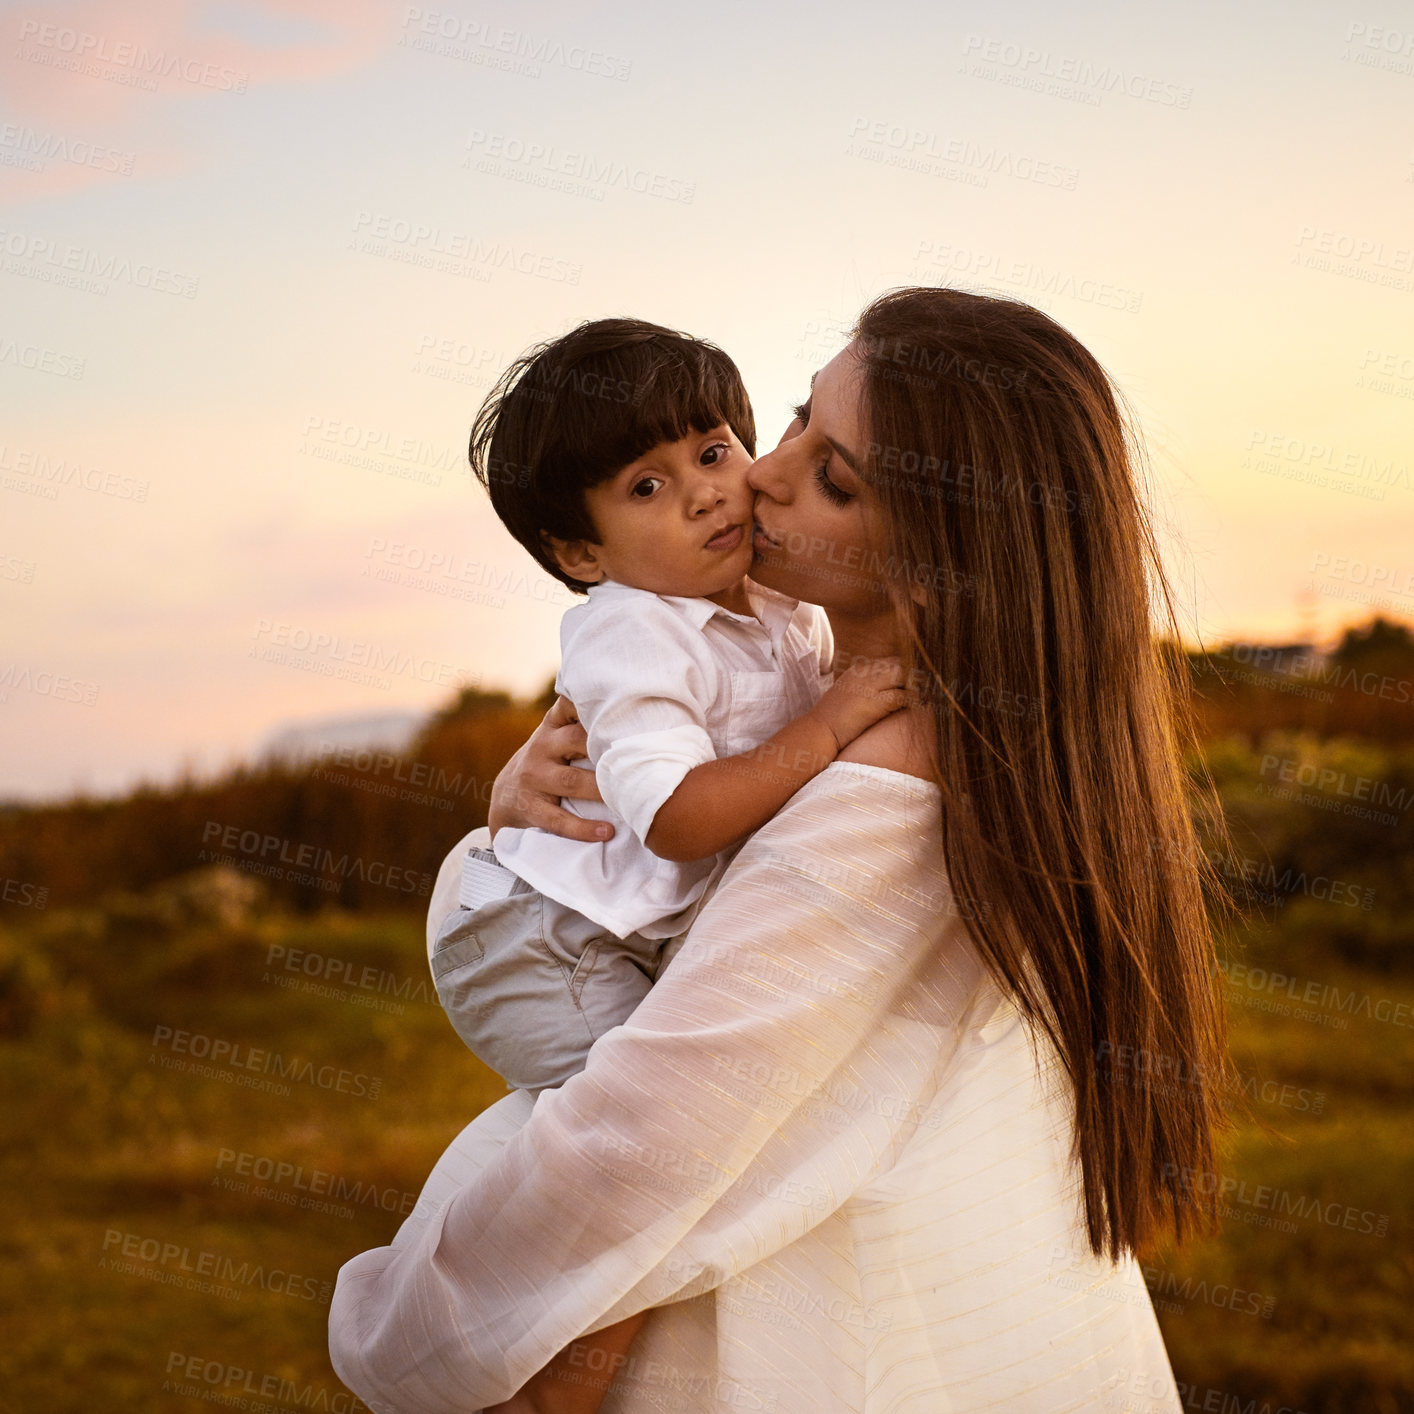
(100, 1138)
(1340, 1336)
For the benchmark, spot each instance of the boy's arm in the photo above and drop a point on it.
(720, 802)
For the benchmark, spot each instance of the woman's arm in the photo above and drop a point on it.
(578, 1378)
(531, 784)
(784, 1058)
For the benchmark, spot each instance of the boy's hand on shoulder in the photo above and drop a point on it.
(868, 690)
(903, 741)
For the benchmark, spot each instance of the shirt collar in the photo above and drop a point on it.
(774, 610)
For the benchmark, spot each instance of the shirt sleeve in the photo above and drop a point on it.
(814, 623)
(642, 680)
(786, 1056)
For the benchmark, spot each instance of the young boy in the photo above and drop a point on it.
(617, 455)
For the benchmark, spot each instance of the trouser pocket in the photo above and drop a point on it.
(508, 994)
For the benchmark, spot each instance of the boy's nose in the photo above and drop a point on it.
(708, 495)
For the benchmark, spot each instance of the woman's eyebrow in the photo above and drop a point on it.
(845, 455)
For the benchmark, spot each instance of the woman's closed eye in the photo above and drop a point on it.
(832, 492)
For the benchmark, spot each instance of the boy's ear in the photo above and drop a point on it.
(576, 558)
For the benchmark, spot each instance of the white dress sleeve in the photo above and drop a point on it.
(788, 1054)
(641, 679)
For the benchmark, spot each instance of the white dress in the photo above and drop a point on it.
(821, 1149)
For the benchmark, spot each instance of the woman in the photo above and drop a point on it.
(943, 1050)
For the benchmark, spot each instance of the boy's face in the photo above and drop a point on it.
(676, 521)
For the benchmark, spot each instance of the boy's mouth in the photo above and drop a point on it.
(727, 539)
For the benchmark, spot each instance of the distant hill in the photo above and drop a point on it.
(307, 741)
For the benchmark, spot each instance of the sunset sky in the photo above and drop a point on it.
(261, 262)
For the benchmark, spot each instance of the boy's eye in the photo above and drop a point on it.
(717, 451)
(644, 487)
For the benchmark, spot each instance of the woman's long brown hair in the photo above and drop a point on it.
(1006, 475)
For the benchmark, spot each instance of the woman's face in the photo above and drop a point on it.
(819, 530)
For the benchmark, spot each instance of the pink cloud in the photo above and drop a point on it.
(93, 71)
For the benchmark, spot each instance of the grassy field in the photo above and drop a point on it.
(1306, 1299)
(173, 1234)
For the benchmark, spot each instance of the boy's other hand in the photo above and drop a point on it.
(868, 690)
(528, 791)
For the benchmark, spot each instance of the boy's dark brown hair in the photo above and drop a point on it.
(573, 411)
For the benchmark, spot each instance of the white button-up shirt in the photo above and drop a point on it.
(663, 683)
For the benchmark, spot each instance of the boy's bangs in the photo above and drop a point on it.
(670, 401)
(610, 410)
